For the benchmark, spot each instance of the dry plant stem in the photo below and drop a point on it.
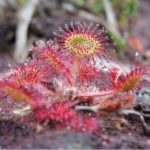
(93, 108)
(25, 16)
(90, 16)
(111, 17)
(128, 112)
(22, 112)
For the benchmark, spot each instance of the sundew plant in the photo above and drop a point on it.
(62, 79)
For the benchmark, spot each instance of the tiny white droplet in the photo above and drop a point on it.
(136, 54)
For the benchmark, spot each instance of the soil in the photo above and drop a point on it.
(116, 131)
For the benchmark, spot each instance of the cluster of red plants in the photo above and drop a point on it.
(63, 78)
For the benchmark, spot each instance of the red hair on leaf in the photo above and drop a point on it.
(64, 115)
(49, 53)
(83, 41)
(133, 79)
(87, 72)
(28, 74)
(20, 93)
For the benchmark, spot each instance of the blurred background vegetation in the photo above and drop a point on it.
(22, 22)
